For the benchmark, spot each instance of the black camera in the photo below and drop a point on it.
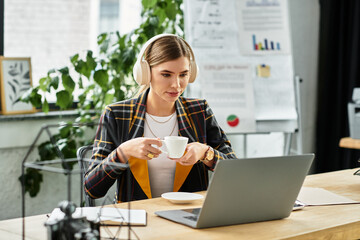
(69, 228)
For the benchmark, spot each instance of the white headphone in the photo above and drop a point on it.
(142, 71)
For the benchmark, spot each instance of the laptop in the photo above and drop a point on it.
(247, 190)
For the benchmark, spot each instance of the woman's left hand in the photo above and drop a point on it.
(194, 151)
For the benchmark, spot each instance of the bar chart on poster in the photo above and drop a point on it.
(243, 50)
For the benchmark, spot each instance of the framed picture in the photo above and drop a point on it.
(15, 80)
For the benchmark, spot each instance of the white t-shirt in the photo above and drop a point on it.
(161, 169)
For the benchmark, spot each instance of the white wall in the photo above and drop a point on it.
(53, 189)
(47, 31)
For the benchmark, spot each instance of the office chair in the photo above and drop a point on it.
(82, 153)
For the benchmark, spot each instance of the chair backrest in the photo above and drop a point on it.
(82, 153)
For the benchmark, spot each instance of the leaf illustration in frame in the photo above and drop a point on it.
(16, 81)
(16, 101)
(26, 82)
(12, 87)
(16, 77)
(26, 75)
(13, 72)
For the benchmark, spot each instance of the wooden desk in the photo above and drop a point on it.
(348, 142)
(322, 222)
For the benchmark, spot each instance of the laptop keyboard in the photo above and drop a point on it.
(192, 218)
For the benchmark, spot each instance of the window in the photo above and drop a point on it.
(51, 31)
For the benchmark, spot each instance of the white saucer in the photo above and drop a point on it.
(181, 197)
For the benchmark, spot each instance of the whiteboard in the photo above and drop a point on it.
(240, 33)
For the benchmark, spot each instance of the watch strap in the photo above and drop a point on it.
(209, 155)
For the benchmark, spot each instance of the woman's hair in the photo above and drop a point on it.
(162, 50)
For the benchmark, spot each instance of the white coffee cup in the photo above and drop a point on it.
(175, 146)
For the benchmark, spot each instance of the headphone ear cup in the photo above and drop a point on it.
(145, 73)
(137, 72)
(193, 71)
(141, 72)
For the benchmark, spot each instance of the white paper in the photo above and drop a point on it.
(274, 95)
(263, 27)
(229, 91)
(211, 27)
(137, 216)
(319, 196)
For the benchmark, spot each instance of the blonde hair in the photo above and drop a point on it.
(162, 50)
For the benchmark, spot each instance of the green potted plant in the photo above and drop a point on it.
(101, 80)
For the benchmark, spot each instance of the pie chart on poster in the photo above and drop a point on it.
(232, 120)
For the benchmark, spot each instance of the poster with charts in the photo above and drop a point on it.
(263, 27)
(229, 91)
(251, 33)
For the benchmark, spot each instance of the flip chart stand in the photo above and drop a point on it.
(291, 128)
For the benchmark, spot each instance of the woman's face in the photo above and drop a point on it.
(169, 79)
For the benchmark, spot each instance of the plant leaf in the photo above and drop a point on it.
(74, 58)
(68, 82)
(148, 3)
(90, 61)
(43, 83)
(51, 71)
(160, 13)
(32, 179)
(63, 99)
(109, 97)
(101, 38)
(103, 42)
(101, 77)
(54, 83)
(64, 70)
(45, 106)
(170, 10)
(65, 131)
(32, 96)
(47, 151)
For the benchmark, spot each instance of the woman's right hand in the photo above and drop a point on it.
(139, 148)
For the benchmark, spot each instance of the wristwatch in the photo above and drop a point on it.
(209, 155)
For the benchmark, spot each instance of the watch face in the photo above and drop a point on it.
(210, 154)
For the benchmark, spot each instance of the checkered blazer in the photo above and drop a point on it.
(125, 120)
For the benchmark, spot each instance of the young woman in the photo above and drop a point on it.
(165, 66)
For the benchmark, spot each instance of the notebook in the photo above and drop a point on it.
(247, 190)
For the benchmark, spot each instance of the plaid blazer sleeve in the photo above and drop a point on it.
(101, 174)
(216, 138)
(205, 128)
